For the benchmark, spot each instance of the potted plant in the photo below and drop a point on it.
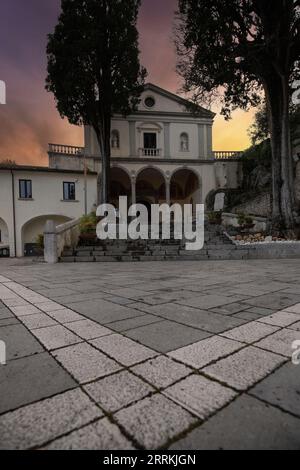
(245, 222)
(87, 227)
(40, 244)
(215, 218)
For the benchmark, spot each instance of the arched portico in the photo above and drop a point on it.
(185, 187)
(32, 229)
(150, 186)
(4, 238)
(120, 185)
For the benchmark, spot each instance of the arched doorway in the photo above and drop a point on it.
(33, 229)
(4, 239)
(150, 187)
(120, 185)
(185, 187)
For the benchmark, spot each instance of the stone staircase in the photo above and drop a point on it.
(216, 247)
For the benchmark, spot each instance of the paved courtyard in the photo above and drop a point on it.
(174, 355)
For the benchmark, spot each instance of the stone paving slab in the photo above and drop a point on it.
(37, 320)
(35, 425)
(118, 391)
(153, 421)
(276, 300)
(208, 301)
(125, 325)
(246, 424)
(22, 381)
(252, 292)
(204, 352)
(85, 363)
(161, 371)
(244, 368)
(204, 320)
(281, 389)
(123, 350)
(54, 337)
(200, 396)
(251, 332)
(65, 316)
(280, 342)
(282, 318)
(102, 435)
(166, 336)
(102, 311)
(19, 342)
(87, 329)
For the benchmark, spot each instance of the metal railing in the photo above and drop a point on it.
(227, 155)
(65, 149)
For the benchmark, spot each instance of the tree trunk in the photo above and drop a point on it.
(277, 96)
(103, 136)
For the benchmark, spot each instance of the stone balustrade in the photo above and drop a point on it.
(56, 238)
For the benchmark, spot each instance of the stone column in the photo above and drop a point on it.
(168, 192)
(50, 243)
(133, 190)
(167, 152)
(132, 138)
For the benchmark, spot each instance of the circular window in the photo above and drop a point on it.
(150, 102)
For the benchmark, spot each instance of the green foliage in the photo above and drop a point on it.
(259, 130)
(94, 69)
(215, 217)
(244, 219)
(40, 241)
(93, 60)
(88, 223)
(227, 49)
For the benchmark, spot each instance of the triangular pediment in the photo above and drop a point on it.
(157, 100)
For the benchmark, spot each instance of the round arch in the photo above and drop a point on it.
(4, 232)
(120, 184)
(186, 186)
(150, 186)
(33, 228)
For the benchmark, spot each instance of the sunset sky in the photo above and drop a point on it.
(30, 121)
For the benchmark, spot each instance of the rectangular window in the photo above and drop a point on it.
(69, 192)
(25, 189)
(150, 140)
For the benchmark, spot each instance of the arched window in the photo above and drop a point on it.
(115, 139)
(184, 142)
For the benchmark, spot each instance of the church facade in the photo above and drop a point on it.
(162, 153)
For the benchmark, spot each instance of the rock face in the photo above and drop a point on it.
(297, 184)
(259, 178)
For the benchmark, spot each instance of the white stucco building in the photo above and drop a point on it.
(29, 196)
(160, 153)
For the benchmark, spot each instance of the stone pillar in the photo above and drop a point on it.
(133, 190)
(168, 192)
(201, 142)
(210, 155)
(132, 138)
(50, 243)
(167, 152)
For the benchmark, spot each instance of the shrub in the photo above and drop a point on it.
(88, 223)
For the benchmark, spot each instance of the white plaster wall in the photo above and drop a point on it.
(6, 207)
(176, 129)
(162, 103)
(47, 192)
(123, 127)
(36, 227)
(4, 233)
